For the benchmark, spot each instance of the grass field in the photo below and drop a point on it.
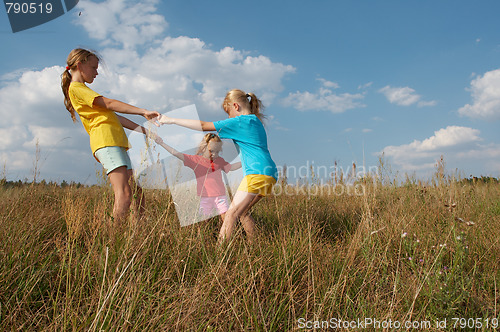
(392, 254)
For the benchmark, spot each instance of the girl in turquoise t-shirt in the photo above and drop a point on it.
(245, 128)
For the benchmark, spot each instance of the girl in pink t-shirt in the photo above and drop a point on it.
(207, 166)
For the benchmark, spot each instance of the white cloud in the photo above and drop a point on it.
(485, 92)
(121, 22)
(404, 96)
(31, 97)
(10, 137)
(271, 121)
(16, 160)
(365, 86)
(400, 96)
(328, 84)
(324, 99)
(49, 136)
(426, 103)
(458, 145)
(448, 137)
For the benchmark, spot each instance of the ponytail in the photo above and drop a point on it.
(65, 82)
(75, 56)
(256, 106)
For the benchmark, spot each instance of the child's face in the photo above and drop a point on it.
(231, 109)
(88, 69)
(213, 149)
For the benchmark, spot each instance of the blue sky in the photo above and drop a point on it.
(343, 81)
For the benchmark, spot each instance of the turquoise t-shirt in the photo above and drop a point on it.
(249, 135)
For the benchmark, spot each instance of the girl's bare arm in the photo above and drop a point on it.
(170, 149)
(121, 107)
(188, 123)
(235, 166)
(131, 125)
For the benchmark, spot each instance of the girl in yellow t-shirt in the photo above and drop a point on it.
(108, 141)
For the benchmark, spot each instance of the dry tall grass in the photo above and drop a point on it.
(399, 253)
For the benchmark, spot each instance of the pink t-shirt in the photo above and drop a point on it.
(208, 174)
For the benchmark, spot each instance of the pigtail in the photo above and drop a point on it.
(65, 82)
(256, 106)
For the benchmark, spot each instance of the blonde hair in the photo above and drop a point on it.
(204, 142)
(241, 97)
(75, 56)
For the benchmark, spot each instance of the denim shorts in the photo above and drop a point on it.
(112, 157)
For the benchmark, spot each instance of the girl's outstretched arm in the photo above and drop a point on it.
(121, 107)
(170, 149)
(131, 125)
(188, 123)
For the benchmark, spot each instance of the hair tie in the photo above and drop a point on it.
(247, 95)
(67, 67)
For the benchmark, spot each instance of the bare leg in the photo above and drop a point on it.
(138, 203)
(119, 179)
(248, 223)
(240, 207)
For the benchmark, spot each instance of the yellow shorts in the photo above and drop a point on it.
(257, 184)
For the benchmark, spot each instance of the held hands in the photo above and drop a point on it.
(152, 116)
(158, 119)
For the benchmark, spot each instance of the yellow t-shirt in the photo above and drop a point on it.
(102, 125)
